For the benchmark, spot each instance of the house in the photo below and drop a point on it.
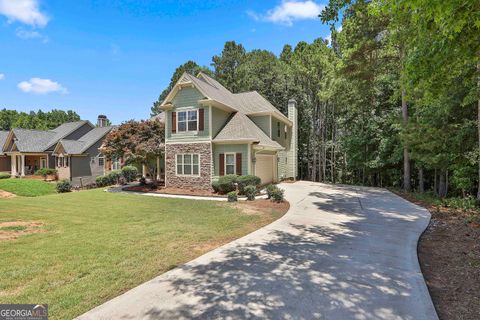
(211, 132)
(4, 159)
(71, 148)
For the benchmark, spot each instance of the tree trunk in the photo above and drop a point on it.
(435, 182)
(406, 157)
(421, 182)
(442, 187)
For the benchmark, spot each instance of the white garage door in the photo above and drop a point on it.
(264, 167)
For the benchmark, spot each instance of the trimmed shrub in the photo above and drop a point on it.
(64, 186)
(248, 180)
(232, 196)
(4, 175)
(277, 195)
(216, 186)
(250, 192)
(115, 176)
(44, 172)
(103, 181)
(130, 173)
(227, 183)
(270, 189)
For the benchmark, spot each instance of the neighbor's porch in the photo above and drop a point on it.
(26, 164)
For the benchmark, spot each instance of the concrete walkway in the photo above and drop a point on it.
(339, 253)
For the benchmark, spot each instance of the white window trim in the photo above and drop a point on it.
(183, 161)
(186, 110)
(115, 163)
(234, 163)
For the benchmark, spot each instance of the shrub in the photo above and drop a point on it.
(143, 181)
(129, 173)
(227, 183)
(44, 172)
(216, 186)
(277, 195)
(232, 196)
(64, 186)
(115, 176)
(270, 189)
(250, 192)
(248, 180)
(4, 175)
(103, 181)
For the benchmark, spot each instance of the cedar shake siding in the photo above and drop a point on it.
(202, 180)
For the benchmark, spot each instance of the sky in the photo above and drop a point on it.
(114, 57)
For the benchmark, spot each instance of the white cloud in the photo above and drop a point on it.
(24, 11)
(2, 76)
(30, 34)
(289, 11)
(41, 86)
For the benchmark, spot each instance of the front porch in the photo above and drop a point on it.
(23, 165)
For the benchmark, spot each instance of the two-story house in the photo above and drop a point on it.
(211, 132)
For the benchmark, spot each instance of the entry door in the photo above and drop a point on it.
(43, 163)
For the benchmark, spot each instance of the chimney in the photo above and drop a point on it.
(293, 150)
(102, 121)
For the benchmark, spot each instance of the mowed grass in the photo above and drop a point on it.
(27, 187)
(97, 245)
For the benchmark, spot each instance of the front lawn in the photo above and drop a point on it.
(84, 248)
(27, 187)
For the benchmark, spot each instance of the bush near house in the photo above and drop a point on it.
(232, 196)
(4, 175)
(115, 176)
(227, 183)
(216, 186)
(270, 189)
(250, 192)
(64, 186)
(230, 182)
(44, 172)
(277, 195)
(248, 180)
(130, 173)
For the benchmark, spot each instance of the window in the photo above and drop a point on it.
(101, 161)
(187, 121)
(286, 130)
(66, 161)
(60, 162)
(115, 164)
(278, 129)
(230, 166)
(188, 164)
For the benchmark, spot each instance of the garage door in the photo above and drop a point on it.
(264, 167)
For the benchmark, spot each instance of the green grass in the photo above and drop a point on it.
(13, 228)
(96, 245)
(27, 187)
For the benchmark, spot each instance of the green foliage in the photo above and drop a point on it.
(130, 173)
(232, 196)
(39, 120)
(277, 195)
(250, 191)
(270, 189)
(44, 172)
(104, 181)
(115, 176)
(216, 186)
(227, 183)
(64, 186)
(247, 180)
(5, 175)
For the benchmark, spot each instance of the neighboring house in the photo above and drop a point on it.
(4, 159)
(211, 132)
(30, 150)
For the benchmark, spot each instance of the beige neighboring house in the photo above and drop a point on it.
(211, 132)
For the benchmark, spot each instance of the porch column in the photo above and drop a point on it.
(22, 163)
(158, 168)
(13, 165)
(144, 171)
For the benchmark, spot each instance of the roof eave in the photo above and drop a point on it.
(278, 116)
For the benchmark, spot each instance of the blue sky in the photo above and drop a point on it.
(116, 56)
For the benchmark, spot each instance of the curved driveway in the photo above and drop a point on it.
(341, 252)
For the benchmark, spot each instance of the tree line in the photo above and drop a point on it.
(39, 120)
(392, 101)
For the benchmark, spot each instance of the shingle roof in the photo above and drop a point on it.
(240, 128)
(3, 138)
(86, 141)
(28, 140)
(63, 130)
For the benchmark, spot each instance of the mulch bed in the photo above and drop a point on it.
(176, 191)
(449, 254)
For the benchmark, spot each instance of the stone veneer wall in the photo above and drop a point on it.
(203, 181)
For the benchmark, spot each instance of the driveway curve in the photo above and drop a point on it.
(341, 252)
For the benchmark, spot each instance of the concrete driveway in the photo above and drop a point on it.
(341, 252)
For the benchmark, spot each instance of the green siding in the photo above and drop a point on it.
(263, 122)
(187, 98)
(281, 140)
(219, 118)
(223, 148)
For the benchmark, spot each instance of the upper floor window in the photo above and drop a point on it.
(286, 130)
(187, 121)
(278, 129)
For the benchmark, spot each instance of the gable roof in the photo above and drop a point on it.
(240, 128)
(3, 138)
(28, 140)
(65, 129)
(86, 141)
(249, 103)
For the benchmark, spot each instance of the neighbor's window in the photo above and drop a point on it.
(187, 121)
(188, 164)
(101, 161)
(66, 161)
(278, 129)
(286, 130)
(115, 164)
(230, 163)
